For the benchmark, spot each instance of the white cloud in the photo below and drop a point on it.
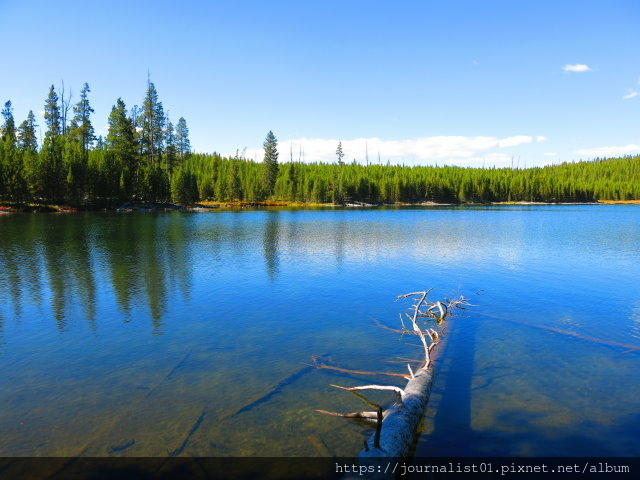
(550, 154)
(630, 94)
(451, 150)
(541, 138)
(514, 141)
(609, 151)
(577, 67)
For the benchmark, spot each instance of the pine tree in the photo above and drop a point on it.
(170, 148)
(340, 153)
(270, 164)
(234, 189)
(120, 141)
(183, 145)
(28, 146)
(338, 194)
(51, 175)
(7, 151)
(27, 139)
(82, 123)
(52, 114)
(184, 187)
(9, 125)
(74, 165)
(152, 122)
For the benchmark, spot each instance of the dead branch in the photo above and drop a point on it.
(410, 371)
(361, 415)
(391, 388)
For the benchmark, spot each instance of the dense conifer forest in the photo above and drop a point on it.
(146, 158)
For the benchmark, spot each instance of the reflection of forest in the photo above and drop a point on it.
(71, 263)
(64, 260)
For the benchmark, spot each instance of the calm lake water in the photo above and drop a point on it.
(191, 333)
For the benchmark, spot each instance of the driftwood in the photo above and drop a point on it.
(396, 426)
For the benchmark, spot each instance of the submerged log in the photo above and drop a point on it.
(397, 425)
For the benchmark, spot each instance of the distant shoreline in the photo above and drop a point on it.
(232, 205)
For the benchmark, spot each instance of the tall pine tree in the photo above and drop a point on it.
(50, 174)
(121, 144)
(28, 146)
(270, 164)
(152, 122)
(27, 139)
(183, 145)
(83, 127)
(7, 150)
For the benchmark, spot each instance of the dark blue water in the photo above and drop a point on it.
(174, 333)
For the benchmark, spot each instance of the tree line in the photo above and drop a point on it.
(139, 159)
(227, 179)
(144, 157)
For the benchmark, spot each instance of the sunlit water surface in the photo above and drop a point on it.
(177, 333)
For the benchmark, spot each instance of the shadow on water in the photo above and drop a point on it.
(520, 393)
(452, 434)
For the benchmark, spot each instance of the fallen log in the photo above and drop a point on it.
(397, 425)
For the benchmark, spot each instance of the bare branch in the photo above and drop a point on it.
(391, 388)
(414, 293)
(410, 371)
(365, 415)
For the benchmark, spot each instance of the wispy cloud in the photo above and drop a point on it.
(451, 150)
(630, 94)
(576, 67)
(609, 151)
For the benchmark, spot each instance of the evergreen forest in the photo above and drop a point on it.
(146, 158)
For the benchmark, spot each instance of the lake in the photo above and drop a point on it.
(155, 334)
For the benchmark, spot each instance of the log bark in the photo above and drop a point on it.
(401, 421)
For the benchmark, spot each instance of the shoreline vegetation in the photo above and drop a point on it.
(207, 206)
(146, 163)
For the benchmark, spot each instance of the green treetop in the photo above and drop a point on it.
(152, 121)
(81, 121)
(52, 114)
(183, 145)
(27, 140)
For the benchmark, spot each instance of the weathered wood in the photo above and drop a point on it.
(402, 419)
(396, 427)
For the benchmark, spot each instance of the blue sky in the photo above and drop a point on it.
(414, 82)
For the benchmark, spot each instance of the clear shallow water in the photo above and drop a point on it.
(156, 334)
